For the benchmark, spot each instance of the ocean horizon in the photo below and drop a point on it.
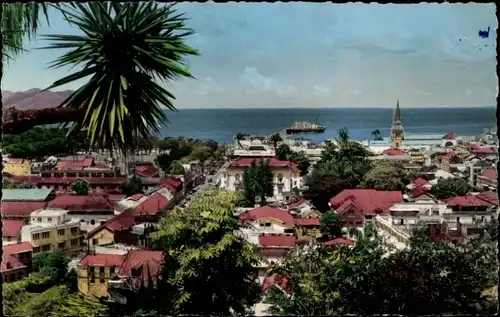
(221, 124)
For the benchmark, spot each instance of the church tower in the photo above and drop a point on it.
(397, 131)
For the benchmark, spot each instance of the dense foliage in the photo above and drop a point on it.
(450, 187)
(132, 186)
(386, 176)
(424, 279)
(330, 225)
(207, 265)
(284, 153)
(42, 142)
(81, 188)
(257, 183)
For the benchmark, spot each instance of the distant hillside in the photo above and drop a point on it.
(34, 98)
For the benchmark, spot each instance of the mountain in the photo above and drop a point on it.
(34, 98)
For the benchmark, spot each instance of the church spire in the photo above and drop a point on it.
(397, 130)
(397, 113)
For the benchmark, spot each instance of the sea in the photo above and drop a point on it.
(222, 124)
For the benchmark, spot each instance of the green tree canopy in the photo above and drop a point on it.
(330, 225)
(385, 176)
(132, 186)
(81, 188)
(284, 153)
(208, 266)
(321, 188)
(450, 187)
(53, 265)
(258, 183)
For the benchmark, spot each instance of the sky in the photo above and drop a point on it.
(269, 55)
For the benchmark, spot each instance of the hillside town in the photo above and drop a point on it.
(81, 207)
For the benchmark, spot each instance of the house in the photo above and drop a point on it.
(91, 210)
(419, 182)
(302, 208)
(16, 261)
(355, 207)
(488, 180)
(146, 170)
(307, 228)
(469, 211)
(272, 248)
(120, 228)
(421, 195)
(267, 219)
(462, 151)
(441, 233)
(17, 167)
(286, 176)
(103, 275)
(447, 160)
(416, 156)
(396, 155)
(53, 229)
(11, 231)
(18, 204)
(486, 152)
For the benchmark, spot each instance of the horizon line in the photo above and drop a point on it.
(333, 107)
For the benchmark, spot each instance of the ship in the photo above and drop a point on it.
(305, 127)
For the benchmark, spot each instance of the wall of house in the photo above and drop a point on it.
(11, 240)
(92, 218)
(69, 239)
(102, 236)
(96, 286)
(13, 275)
(18, 169)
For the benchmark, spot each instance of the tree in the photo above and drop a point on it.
(376, 135)
(239, 137)
(321, 188)
(177, 169)
(208, 266)
(121, 100)
(258, 182)
(78, 305)
(132, 186)
(450, 187)
(81, 188)
(275, 139)
(53, 265)
(284, 153)
(385, 177)
(330, 225)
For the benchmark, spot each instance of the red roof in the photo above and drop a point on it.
(149, 207)
(276, 279)
(101, 165)
(368, 201)
(393, 151)
(419, 191)
(108, 260)
(171, 182)
(146, 170)
(306, 221)
(489, 196)
(469, 200)
(30, 179)
(486, 150)
(419, 181)
(11, 228)
(450, 136)
(75, 164)
(117, 197)
(296, 203)
(91, 180)
(21, 208)
(337, 241)
(17, 248)
(268, 212)
(472, 146)
(491, 174)
(81, 202)
(278, 240)
(245, 162)
(448, 155)
(136, 196)
(10, 262)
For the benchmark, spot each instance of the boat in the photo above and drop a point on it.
(305, 127)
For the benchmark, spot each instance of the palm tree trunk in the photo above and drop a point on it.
(17, 121)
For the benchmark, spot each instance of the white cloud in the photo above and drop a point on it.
(321, 90)
(260, 83)
(209, 86)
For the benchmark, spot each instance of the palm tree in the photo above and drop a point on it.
(376, 134)
(275, 139)
(239, 137)
(126, 48)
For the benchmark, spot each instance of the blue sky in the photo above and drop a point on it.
(317, 55)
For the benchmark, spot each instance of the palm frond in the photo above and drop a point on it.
(125, 49)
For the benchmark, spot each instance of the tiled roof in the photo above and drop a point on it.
(25, 194)
(368, 201)
(11, 228)
(275, 279)
(30, 179)
(152, 205)
(296, 203)
(136, 196)
(469, 200)
(278, 240)
(337, 241)
(146, 170)
(273, 162)
(448, 155)
(108, 260)
(393, 151)
(91, 180)
(171, 182)
(489, 196)
(17, 248)
(486, 150)
(21, 208)
(419, 181)
(81, 202)
(419, 191)
(75, 165)
(116, 197)
(10, 262)
(491, 174)
(472, 146)
(306, 221)
(268, 212)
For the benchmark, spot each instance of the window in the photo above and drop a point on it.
(280, 178)
(112, 270)
(74, 242)
(20, 275)
(46, 248)
(60, 232)
(35, 236)
(458, 219)
(49, 219)
(74, 231)
(9, 266)
(46, 235)
(61, 245)
(237, 177)
(39, 219)
(92, 222)
(401, 221)
(91, 270)
(92, 280)
(82, 220)
(101, 281)
(95, 241)
(135, 272)
(8, 239)
(102, 222)
(36, 249)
